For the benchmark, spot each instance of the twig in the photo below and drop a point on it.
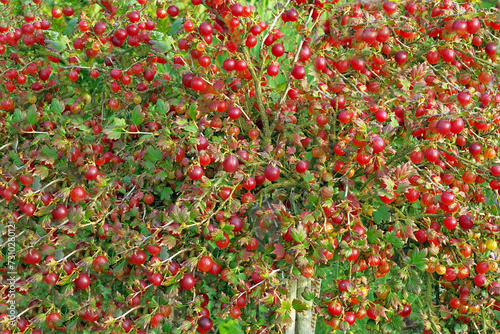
(261, 282)
(124, 314)
(5, 243)
(170, 258)
(5, 146)
(301, 43)
(276, 18)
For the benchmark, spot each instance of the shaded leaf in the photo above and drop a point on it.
(382, 214)
(299, 305)
(373, 235)
(48, 154)
(71, 26)
(396, 242)
(175, 27)
(298, 234)
(153, 155)
(57, 106)
(137, 116)
(161, 107)
(32, 116)
(418, 259)
(279, 251)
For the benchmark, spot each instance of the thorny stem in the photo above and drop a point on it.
(261, 282)
(179, 252)
(124, 314)
(258, 95)
(276, 18)
(67, 256)
(17, 236)
(301, 43)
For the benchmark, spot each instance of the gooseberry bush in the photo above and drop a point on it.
(209, 165)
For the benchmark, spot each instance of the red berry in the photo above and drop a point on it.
(187, 282)
(83, 281)
(173, 10)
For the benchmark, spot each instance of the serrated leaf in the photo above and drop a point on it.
(153, 154)
(382, 214)
(281, 87)
(137, 115)
(299, 305)
(308, 176)
(418, 259)
(53, 46)
(161, 107)
(56, 106)
(279, 251)
(230, 326)
(158, 46)
(391, 238)
(32, 116)
(490, 197)
(308, 294)
(119, 122)
(114, 133)
(190, 128)
(71, 26)
(15, 158)
(414, 284)
(48, 154)
(392, 300)
(373, 235)
(165, 194)
(175, 27)
(298, 234)
(192, 111)
(18, 115)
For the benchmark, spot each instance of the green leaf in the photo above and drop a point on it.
(158, 46)
(32, 116)
(463, 328)
(165, 193)
(18, 115)
(48, 154)
(299, 305)
(382, 214)
(15, 158)
(114, 133)
(53, 46)
(396, 242)
(308, 176)
(175, 27)
(308, 294)
(191, 128)
(57, 106)
(229, 327)
(373, 235)
(394, 122)
(192, 110)
(137, 116)
(161, 106)
(490, 197)
(71, 26)
(298, 234)
(414, 284)
(281, 87)
(497, 315)
(119, 122)
(153, 154)
(418, 259)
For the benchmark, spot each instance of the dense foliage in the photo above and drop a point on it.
(168, 167)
